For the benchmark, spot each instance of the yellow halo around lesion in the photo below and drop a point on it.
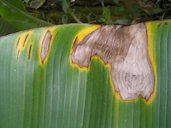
(22, 41)
(83, 33)
(151, 28)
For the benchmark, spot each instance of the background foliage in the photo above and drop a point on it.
(25, 14)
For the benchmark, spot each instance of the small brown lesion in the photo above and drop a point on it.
(45, 46)
(17, 42)
(18, 54)
(125, 49)
(26, 37)
(29, 52)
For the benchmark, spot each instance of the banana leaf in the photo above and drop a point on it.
(46, 90)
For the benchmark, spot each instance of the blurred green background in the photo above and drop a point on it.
(17, 15)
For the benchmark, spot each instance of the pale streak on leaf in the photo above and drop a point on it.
(45, 47)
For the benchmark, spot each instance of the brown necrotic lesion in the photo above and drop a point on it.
(26, 37)
(29, 52)
(125, 49)
(17, 42)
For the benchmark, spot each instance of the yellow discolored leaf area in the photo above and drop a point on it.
(151, 26)
(22, 41)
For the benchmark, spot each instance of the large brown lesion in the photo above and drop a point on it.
(125, 49)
